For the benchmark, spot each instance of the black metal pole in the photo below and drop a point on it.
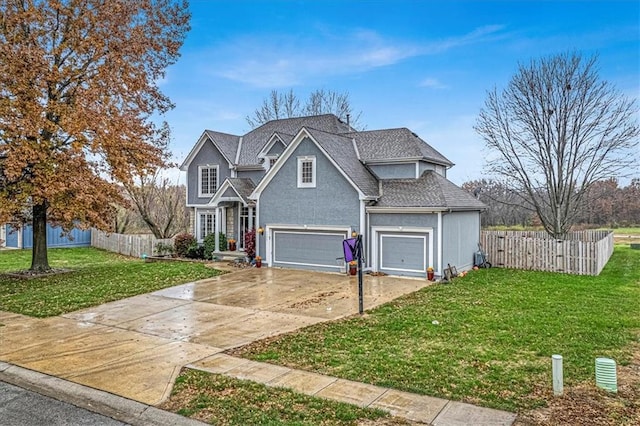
(360, 292)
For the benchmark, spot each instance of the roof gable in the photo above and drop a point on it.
(225, 143)
(339, 151)
(242, 187)
(276, 139)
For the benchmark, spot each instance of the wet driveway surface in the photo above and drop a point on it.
(135, 347)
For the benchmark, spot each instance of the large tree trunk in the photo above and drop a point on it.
(39, 258)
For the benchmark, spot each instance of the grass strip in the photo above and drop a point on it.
(221, 400)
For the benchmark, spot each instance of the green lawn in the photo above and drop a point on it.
(627, 231)
(496, 331)
(97, 277)
(221, 400)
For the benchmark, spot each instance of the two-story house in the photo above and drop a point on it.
(308, 183)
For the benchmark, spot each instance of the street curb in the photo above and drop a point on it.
(101, 402)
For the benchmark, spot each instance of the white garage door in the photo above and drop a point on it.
(307, 248)
(403, 253)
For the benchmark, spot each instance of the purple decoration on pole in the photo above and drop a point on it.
(349, 247)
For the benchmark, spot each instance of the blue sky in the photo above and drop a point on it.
(425, 65)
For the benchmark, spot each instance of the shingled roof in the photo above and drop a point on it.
(243, 187)
(228, 144)
(395, 144)
(254, 141)
(342, 151)
(429, 190)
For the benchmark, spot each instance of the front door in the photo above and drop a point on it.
(244, 224)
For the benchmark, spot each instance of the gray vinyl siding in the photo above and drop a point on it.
(208, 155)
(276, 149)
(424, 166)
(418, 220)
(255, 175)
(394, 171)
(333, 202)
(230, 193)
(421, 220)
(462, 231)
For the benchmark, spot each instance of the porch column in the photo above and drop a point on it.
(217, 228)
(250, 217)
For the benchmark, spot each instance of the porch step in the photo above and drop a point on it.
(229, 255)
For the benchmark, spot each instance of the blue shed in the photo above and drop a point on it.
(23, 237)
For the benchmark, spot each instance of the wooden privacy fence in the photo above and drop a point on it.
(126, 244)
(582, 252)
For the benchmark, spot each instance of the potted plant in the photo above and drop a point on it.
(232, 244)
(258, 262)
(430, 273)
(353, 267)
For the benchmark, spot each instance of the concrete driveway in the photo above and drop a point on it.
(135, 347)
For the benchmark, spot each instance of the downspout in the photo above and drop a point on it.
(363, 228)
(440, 270)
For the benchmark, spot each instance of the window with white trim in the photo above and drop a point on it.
(207, 180)
(207, 221)
(307, 172)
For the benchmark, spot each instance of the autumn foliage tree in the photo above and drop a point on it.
(78, 90)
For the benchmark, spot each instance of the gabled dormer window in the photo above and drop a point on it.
(207, 180)
(307, 172)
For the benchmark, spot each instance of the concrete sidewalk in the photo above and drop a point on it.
(418, 408)
(97, 401)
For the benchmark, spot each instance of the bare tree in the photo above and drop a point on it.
(504, 204)
(287, 105)
(160, 205)
(556, 129)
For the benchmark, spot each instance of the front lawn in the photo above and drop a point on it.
(96, 277)
(486, 339)
(221, 400)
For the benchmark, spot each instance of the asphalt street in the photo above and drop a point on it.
(21, 407)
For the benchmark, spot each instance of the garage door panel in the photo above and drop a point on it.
(308, 248)
(403, 253)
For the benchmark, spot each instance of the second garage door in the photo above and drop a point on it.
(307, 248)
(403, 253)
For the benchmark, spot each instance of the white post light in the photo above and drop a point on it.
(556, 361)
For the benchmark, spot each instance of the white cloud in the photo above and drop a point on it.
(433, 83)
(284, 61)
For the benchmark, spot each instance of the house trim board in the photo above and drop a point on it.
(363, 228)
(439, 268)
(373, 209)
